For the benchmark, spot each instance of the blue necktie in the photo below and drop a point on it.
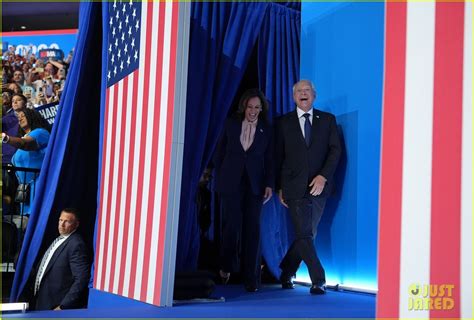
(307, 129)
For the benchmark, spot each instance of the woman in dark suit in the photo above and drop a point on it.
(244, 181)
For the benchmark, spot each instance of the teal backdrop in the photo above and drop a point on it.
(342, 47)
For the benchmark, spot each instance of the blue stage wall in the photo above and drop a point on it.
(342, 53)
(32, 41)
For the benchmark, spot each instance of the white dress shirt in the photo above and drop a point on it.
(303, 119)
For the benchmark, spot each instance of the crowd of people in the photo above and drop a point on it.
(28, 82)
(41, 81)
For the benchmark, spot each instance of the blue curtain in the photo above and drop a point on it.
(222, 37)
(69, 172)
(279, 57)
(278, 71)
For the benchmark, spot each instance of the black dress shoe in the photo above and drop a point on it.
(225, 276)
(286, 282)
(317, 289)
(251, 288)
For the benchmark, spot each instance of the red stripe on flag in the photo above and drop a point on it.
(143, 145)
(102, 178)
(166, 169)
(131, 167)
(111, 182)
(447, 146)
(154, 152)
(119, 183)
(392, 161)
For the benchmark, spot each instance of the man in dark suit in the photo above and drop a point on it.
(307, 153)
(63, 273)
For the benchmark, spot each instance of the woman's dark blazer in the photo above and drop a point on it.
(230, 159)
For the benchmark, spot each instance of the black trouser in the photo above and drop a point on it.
(241, 232)
(305, 215)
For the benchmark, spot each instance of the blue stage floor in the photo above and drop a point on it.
(270, 302)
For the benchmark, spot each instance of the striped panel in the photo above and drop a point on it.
(416, 185)
(425, 244)
(136, 163)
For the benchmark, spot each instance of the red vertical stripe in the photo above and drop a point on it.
(447, 144)
(124, 111)
(143, 146)
(392, 161)
(130, 169)
(102, 178)
(154, 152)
(168, 142)
(109, 191)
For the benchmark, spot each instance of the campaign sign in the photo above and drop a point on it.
(48, 112)
(54, 54)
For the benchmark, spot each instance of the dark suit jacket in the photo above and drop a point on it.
(66, 277)
(231, 160)
(298, 164)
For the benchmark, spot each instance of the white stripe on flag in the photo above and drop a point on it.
(135, 290)
(105, 193)
(417, 152)
(161, 150)
(124, 188)
(112, 211)
(129, 291)
(466, 175)
(155, 66)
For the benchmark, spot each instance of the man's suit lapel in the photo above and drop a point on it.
(56, 254)
(294, 124)
(315, 125)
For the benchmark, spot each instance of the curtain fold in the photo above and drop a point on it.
(278, 69)
(69, 172)
(222, 37)
(279, 56)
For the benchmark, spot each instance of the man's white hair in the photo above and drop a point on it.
(307, 81)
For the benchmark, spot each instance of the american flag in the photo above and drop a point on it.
(425, 231)
(136, 146)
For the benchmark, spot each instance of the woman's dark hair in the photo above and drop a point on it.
(21, 96)
(10, 95)
(35, 121)
(17, 90)
(246, 96)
